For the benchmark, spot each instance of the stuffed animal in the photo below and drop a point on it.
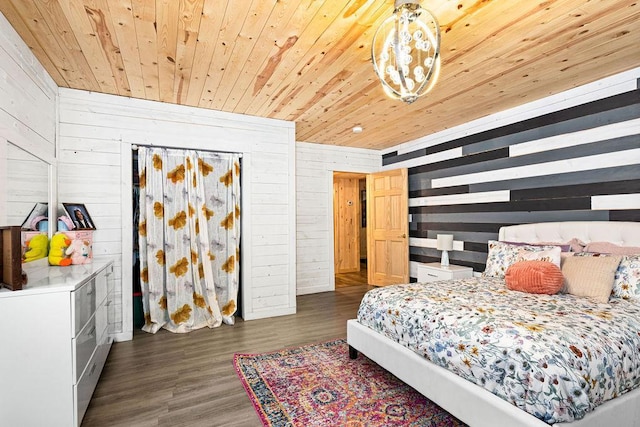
(80, 251)
(59, 243)
(36, 248)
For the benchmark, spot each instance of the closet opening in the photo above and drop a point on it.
(212, 229)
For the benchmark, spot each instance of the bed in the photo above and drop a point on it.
(474, 404)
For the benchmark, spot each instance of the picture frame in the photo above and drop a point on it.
(40, 209)
(79, 215)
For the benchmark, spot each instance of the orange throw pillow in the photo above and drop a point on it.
(534, 277)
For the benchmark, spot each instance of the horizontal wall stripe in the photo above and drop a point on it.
(476, 265)
(456, 199)
(613, 145)
(444, 227)
(463, 236)
(511, 217)
(466, 160)
(569, 178)
(603, 133)
(586, 123)
(613, 202)
(431, 158)
(626, 215)
(460, 189)
(622, 158)
(432, 243)
(476, 247)
(617, 101)
(591, 189)
(389, 155)
(578, 203)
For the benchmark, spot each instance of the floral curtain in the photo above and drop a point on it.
(189, 234)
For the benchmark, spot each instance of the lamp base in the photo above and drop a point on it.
(444, 261)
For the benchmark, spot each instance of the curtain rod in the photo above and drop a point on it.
(135, 147)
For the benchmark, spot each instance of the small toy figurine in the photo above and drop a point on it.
(36, 248)
(80, 251)
(59, 243)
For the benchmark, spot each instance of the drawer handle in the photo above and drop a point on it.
(432, 275)
(93, 369)
(92, 331)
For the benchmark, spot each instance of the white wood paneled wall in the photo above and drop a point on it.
(27, 120)
(314, 190)
(96, 134)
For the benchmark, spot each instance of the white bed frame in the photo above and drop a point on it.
(473, 404)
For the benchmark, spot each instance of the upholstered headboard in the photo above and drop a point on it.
(617, 232)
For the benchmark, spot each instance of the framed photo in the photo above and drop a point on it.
(79, 215)
(40, 211)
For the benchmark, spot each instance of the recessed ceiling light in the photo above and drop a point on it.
(357, 129)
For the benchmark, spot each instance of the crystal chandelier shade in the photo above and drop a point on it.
(406, 52)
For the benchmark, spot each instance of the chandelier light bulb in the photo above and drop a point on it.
(406, 51)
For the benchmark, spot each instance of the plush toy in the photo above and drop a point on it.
(59, 243)
(36, 248)
(80, 251)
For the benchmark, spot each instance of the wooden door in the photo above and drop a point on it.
(388, 227)
(346, 224)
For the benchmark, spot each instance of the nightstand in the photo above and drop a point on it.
(433, 271)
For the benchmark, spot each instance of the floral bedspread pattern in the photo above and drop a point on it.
(555, 356)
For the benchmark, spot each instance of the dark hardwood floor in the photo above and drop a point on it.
(189, 380)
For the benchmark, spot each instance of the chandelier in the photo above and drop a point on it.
(406, 51)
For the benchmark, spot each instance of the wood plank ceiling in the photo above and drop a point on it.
(309, 61)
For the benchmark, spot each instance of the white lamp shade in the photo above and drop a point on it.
(445, 242)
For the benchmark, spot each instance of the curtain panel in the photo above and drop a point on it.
(189, 234)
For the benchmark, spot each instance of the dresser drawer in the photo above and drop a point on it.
(84, 388)
(84, 344)
(84, 304)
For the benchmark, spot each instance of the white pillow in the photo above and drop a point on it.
(550, 255)
(501, 255)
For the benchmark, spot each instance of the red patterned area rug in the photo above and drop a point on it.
(318, 385)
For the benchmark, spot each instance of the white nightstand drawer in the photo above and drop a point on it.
(432, 272)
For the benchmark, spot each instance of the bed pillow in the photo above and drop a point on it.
(501, 255)
(626, 283)
(534, 277)
(550, 255)
(564, 247)
(590, 276)
(611, 248)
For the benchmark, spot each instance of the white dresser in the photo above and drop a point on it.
(55, 336)
(434, 271)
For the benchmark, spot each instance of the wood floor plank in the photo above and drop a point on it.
(189, 380)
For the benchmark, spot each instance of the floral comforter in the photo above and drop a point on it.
(554, 356)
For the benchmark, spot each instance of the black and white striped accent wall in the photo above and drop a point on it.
(579, 163)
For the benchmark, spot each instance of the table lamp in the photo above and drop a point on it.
(445, 244)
